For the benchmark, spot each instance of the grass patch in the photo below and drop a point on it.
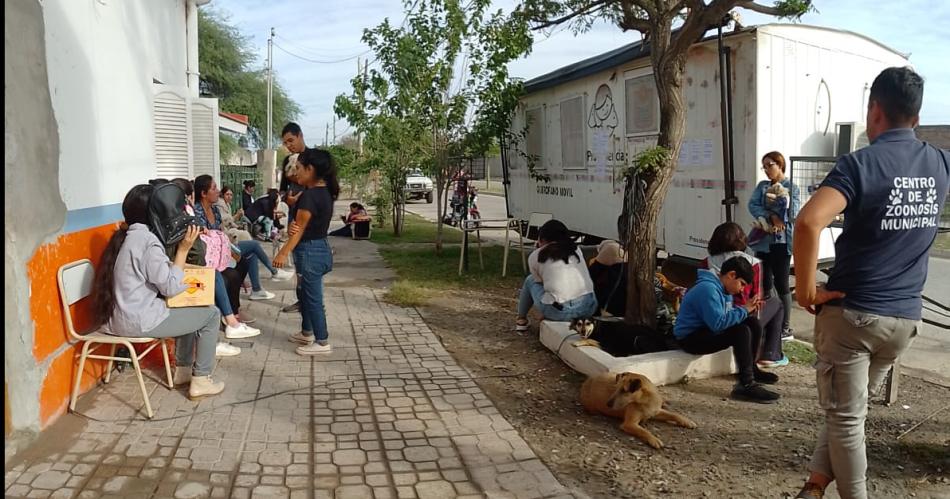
(407, 294)
(799, 353)
(415, 230)
(424, 268)
(423, 273)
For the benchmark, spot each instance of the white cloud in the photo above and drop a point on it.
(331, 31)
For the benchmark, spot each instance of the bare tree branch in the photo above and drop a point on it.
(633, 20)
(698, 22)
(762, 9)
(648, 6)
(587, 9)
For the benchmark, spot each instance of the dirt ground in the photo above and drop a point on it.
(739, 450)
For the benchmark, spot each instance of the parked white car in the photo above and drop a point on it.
(418, 186)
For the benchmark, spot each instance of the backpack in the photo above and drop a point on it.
(167, 218)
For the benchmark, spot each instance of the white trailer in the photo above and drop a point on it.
(790, 85)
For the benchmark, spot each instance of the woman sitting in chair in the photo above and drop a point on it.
(133, 277)
(558, 283)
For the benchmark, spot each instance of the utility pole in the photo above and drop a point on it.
(334, 129)
(326, 136)
(270, 89)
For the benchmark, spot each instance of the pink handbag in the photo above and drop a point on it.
(218, 254)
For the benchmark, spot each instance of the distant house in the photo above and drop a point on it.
(99, 96)
(235, 126)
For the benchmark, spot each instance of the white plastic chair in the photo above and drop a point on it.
(75, 283)
(525, 241)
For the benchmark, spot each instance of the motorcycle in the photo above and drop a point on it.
(457, 208)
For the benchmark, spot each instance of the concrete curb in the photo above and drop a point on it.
(663, 368)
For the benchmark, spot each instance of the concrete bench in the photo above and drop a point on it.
(663, 368)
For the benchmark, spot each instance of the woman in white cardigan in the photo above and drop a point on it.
(559, 284)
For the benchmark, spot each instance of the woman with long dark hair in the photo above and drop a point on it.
(316, 172)
(134, 275)
(559, 284)
(209, 216)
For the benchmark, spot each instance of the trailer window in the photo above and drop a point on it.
(533, 140)
(642, 106)
(572, 133)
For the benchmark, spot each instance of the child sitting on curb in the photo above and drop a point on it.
(708, 322)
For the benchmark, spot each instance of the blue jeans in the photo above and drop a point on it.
(253, 251)
(313, 260)
(531, 293)
(221, 295)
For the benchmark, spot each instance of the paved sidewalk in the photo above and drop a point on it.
(389, 414)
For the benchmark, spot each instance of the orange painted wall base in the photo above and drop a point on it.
(50, 333)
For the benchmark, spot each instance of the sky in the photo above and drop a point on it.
(327, 35)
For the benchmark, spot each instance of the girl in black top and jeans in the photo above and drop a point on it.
(316, 172)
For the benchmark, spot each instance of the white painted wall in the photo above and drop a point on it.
(102, 57)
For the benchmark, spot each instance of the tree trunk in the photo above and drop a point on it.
(668, 73)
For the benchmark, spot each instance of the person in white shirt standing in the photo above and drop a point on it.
(558, 284)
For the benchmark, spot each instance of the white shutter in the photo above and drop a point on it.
(573, 150)
(204, 136)
(172, 145)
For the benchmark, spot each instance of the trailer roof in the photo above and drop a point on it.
(637, 50)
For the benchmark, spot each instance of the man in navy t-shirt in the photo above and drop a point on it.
(891, 193)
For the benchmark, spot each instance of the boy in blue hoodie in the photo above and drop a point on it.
(708, 322)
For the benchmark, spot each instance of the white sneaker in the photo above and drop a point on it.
(314, 349)
(204, 386)
(226, 350)
(241, 331)
(281, 275)
(301, 338)
(263, 294)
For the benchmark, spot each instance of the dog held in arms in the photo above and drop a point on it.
(632, 397)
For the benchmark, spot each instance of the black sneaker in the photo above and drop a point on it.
(754, 392)
(293, 307)
(766, 378)
(787, 334)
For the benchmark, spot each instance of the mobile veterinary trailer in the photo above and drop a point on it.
(790, 85)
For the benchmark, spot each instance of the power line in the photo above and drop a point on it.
(317, 53)
(315, 61)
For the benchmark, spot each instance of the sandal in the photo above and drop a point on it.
(521, 325)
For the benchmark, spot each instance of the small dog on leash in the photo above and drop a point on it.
(632, 397)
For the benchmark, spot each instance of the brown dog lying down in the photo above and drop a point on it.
(632, 397)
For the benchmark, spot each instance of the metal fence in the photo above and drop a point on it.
(234, 177)
(807, 173)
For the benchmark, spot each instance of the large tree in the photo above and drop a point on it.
(441, 90)
(669, 27)
(226, 63)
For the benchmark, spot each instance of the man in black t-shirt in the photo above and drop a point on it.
(292, 137)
